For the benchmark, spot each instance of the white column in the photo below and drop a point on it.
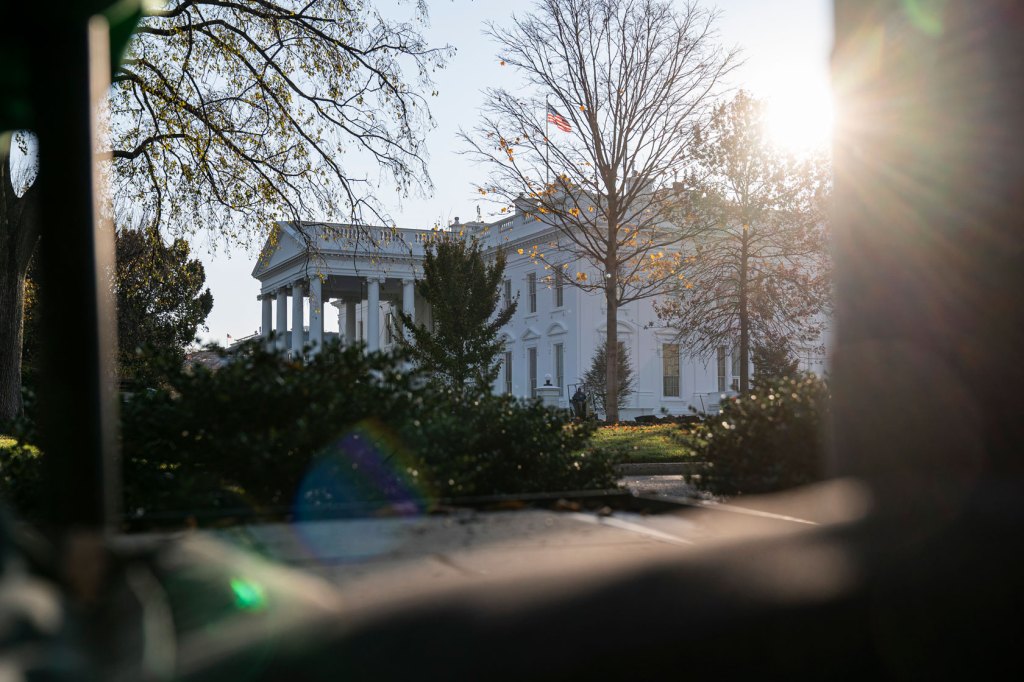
(298, 320)
(282, 318)
(373, 313)
(350, 323)
(268, 318)
(316, 314)
(409, 303)
(340, 305)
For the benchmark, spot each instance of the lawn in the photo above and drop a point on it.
(649, 443)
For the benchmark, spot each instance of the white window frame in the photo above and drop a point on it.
(558, 350)
(721, 364)
(508, 372)
(666, 378)
(531, 369)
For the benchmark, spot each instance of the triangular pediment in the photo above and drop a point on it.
(622, 326)
(557, 328)
(530, 334)
(282, 245)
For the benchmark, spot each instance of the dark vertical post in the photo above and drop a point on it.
(78, 390)
(930, 250)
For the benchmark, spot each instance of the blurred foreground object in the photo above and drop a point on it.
(927, 584)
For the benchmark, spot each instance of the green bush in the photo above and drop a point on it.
(20, 463)
(266, 432)
(348, 428)
(486, 444)
(769, 439)
(20, 476)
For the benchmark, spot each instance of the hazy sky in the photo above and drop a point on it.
(785, 45)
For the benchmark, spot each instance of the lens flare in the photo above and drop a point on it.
(249, 594)
(366, 471)
(800, 120)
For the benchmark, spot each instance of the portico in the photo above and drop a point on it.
(366, 275)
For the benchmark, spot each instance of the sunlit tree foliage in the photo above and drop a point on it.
(761, 270)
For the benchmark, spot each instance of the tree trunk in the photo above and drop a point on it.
(611, 391)
(744, 349)
(19, 231)
(12, 310)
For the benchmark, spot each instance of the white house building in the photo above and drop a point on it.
(364, 275)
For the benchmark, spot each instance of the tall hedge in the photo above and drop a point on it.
(770, 439)
(348, 426)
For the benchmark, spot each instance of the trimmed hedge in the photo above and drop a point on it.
(265, 432)
(770, 439)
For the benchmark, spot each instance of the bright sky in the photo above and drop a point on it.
(785, 43)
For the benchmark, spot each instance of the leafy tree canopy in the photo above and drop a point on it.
(161, 303)
(227, 114)
(760, 266)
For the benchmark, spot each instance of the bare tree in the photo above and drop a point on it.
(761, 270)
(227, 115)
(625, 80)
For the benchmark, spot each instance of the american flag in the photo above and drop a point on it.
(560, 121)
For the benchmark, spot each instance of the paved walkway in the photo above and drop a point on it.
(673, 485)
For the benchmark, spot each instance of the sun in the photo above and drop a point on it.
(800, 120)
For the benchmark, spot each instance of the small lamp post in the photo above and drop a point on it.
(549, 393)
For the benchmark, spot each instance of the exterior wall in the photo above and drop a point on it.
(582, 317)
(578, 324)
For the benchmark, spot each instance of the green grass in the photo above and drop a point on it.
(654, 443)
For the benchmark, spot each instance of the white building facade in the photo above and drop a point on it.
(365, 275)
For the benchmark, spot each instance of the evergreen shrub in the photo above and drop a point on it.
(770, 439)
(20, 463)
(348, 427)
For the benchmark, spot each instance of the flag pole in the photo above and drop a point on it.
(547, 144)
